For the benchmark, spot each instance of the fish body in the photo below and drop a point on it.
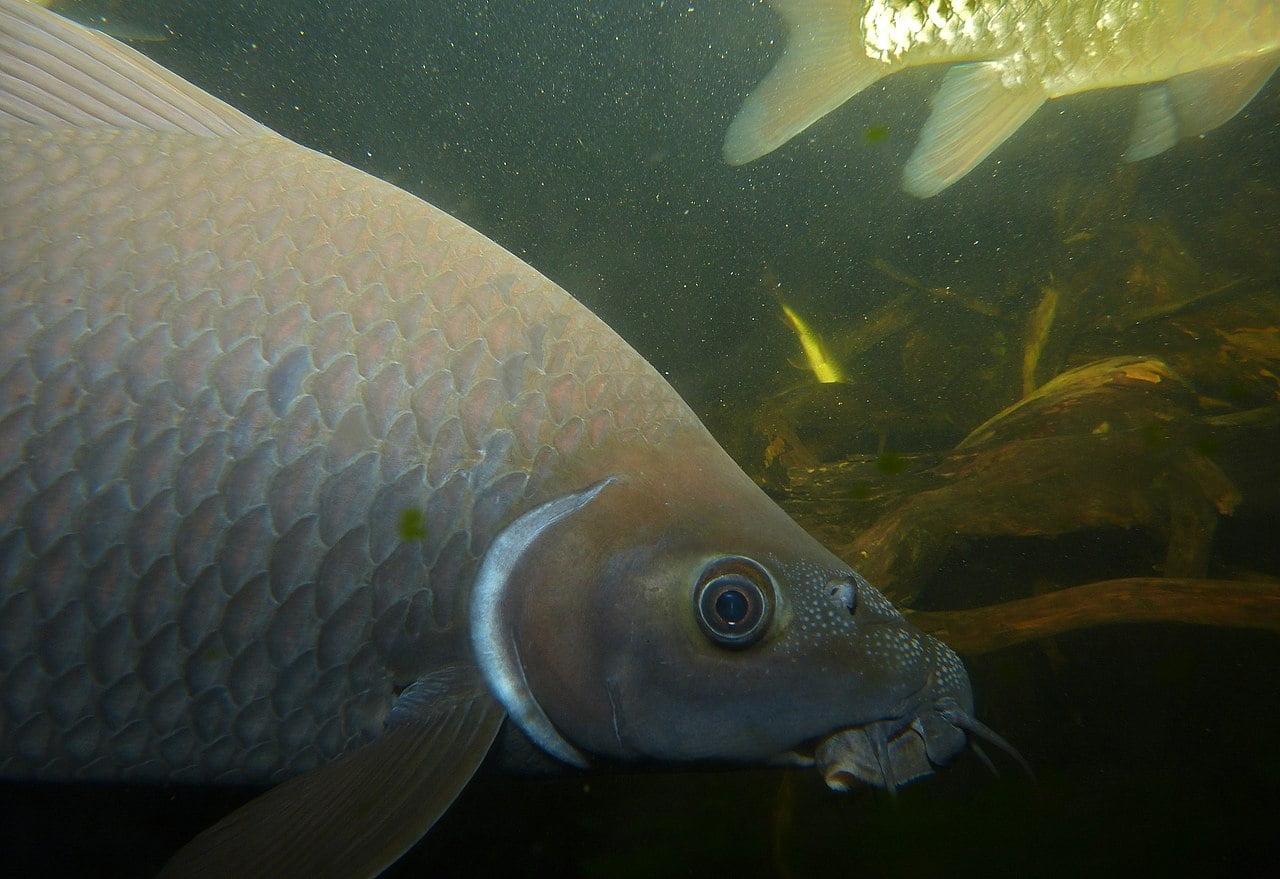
(1203, 60)
(824, 368)
(302, 479)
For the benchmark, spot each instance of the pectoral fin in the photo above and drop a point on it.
(973, 113)
(1194, 103)
(1155, 128)
(357, 815)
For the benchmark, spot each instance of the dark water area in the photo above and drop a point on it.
(586, 139)
(1153, 749)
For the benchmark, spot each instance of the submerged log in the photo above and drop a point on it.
(1166, 443)
(1112, 444)
(1039, 488)
(1232, 603)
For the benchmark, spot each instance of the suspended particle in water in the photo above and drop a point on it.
(891, 463)
(874, 134)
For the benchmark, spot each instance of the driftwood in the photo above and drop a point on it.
(1048, 487)
(1168, 443)
(1028, 488)
(1109, 445)
(1232, 603)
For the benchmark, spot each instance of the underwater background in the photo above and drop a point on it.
(586, 138)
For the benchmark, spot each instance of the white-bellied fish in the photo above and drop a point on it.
(302, 480)
(1205, 60)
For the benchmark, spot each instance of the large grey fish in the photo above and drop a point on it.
(301, 478)
(1204, 59)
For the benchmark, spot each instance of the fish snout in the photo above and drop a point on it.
(937, 723)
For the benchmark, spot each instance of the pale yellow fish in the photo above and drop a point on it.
(1204, 61)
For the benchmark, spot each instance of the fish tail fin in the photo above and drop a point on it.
(1193, 103)
(973, 113)
(820, 68)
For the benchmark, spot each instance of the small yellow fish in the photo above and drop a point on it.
(1205, 60)
(824, 368)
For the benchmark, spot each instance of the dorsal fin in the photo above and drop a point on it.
(55, 73)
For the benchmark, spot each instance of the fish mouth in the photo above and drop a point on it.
(888, 754)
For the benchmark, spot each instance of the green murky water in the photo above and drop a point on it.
(586, 139)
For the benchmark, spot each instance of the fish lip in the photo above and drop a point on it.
(895, 751)
(888, 752)
(900, 719)
(871, 756)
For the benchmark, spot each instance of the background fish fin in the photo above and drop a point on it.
(817, 72)
(1194, 103)
(54, 72)
(973, 113)
(1155, 127)
(357, 815)
(1207, 98)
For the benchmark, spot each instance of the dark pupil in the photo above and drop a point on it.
(732, 606)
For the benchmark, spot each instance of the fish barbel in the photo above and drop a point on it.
(1203, 61)
(303, 481)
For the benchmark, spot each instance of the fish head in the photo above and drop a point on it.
(688, 618)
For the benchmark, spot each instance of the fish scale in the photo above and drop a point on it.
(319, 354)
(1066, 42)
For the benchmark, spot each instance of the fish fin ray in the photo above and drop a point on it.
(973, 113)
(1194, 103)
(1155, 127)
(819, 70)
(358, 814)
(56, 73)
(1205, 99)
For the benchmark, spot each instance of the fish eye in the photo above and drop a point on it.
(734, 601)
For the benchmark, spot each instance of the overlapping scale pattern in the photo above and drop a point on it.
(1065, 47)
(229, 369)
